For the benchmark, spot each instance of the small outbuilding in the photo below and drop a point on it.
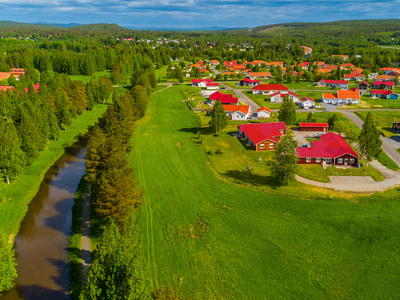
(322, 127)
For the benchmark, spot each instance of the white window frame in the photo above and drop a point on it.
(351, 161)
(271, 145)
(318, 159)
(340, 160)
(308, 159)
(261, 146)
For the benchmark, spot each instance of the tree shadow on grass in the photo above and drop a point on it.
(249, 177)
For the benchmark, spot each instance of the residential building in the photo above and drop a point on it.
(342, 84)
(383, 85)
(384, 94)
(237, 112)
(201, 82)
(342, 97)
(226, 99)
(260, 75)
(306, 103)
(331, 149)
(262, 136)
(249, 82)
(321, 127)
(266, 89)
(263, 113)
(363, 86)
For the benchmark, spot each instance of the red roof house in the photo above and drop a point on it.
(226, 99)
(332, 149)
(249, 82)
(201, 82)
(262, 136)
(314, 127)
(230, 63)
(266, 89)
(383, 85)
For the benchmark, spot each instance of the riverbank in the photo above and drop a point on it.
(15, 197)
(74, 255)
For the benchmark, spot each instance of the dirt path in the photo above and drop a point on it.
(169, 85)
(86, 244)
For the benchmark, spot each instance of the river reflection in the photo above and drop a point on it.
(41, 244)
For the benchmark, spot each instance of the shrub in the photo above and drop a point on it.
(219, 151)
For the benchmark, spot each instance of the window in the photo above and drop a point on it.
(308, 159)
(318, 159)
(261, 146)
(351, 161)
(340, 160)
(327, 160)
(282, 130)
(271, 145)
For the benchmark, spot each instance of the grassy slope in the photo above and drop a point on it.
(86, 79)
(20, 192)
(256, 245)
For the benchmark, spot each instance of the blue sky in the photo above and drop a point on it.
(194, 13)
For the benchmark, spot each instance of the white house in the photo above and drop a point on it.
(342, 97)
(306, 103)
(342, 84)
(237, 112)
(277, 97)
(263, 113)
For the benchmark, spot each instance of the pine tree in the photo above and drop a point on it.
(62, 113)
(117, 189)
(117, 271)
(284, 166)
(287, 112)
(152, 80)
(219, 119)
(12, 158)
(369, 142)
(94, 156)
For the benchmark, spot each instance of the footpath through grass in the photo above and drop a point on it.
(216, 240)
(14, 198)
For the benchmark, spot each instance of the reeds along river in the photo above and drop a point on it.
(42, 242)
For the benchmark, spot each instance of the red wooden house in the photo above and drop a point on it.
(332, 149)
(262, 136)
(314, 127)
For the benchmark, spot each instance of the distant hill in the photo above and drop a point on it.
(100, 27)
(213, 28)
(12, 24)
(393, 23)
(67, 25)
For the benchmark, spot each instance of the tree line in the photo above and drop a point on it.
(30, 118)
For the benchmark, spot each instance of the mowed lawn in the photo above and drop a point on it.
(215, 240)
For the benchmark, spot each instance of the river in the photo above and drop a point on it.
(41, 245)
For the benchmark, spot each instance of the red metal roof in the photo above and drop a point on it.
(270, 87)
(388, 83)
(306, 99)
(250, 80)
(382, 92)
(201, 80)
(212, 84)
(260, 132)
(335, 81)
(331, 145)
(224, 98)
(308, 125)
(364, 82)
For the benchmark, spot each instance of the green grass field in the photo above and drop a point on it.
(86, 79)
(14, 198)
(217, 240)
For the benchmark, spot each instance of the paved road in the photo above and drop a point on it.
(86, 244)
(242, 97)
(386, 147)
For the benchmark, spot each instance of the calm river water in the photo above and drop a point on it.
(42, 242)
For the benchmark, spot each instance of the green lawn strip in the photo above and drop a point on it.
(385, 160)
(263, 100)
(217, 240)
(74, 248)
(160, 87)
(233, 85)
(16, 196)
(316, 172)
(86, 78)
(366, 102)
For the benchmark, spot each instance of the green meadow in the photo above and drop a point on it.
(86, 79)
(216, 239)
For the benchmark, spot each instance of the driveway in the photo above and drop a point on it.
(329, 107)
(299, 136)
(243, 98)
(393, 141)
(355, 183)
